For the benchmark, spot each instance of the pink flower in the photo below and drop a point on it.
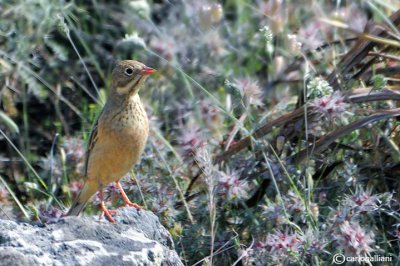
(332, 109)
(190, 141)
(234, 188)
(362, 201)
(311, 35)
(354, 240)
(280, 243)
(250, 90)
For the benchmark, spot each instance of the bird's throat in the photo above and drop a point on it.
(131, 87)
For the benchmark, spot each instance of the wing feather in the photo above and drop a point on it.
(92, 141)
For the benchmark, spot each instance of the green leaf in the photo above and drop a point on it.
(5, 119)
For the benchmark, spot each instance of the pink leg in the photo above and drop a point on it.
(104, 210)
(125, 197)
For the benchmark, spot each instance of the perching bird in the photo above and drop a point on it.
(118, 136)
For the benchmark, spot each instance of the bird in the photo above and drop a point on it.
(117, 139)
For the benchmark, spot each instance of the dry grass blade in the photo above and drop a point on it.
(368, 96)
(328, 139)
(363, 96)
(360, 51)
(262, 131)
(363, 35)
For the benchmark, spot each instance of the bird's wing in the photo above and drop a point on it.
(92, 141)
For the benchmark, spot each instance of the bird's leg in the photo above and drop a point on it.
(125, 197)
(104, 210)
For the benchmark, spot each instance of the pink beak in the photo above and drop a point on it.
(147, 71)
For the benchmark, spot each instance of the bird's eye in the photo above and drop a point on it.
(128, 71)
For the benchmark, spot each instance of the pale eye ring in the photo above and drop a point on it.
(128, 71)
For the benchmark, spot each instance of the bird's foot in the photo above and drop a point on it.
(132, 204)
(108, 213)
(128, 203)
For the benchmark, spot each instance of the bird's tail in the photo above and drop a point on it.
(89, 188)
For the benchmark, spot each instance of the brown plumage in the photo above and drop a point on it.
(118, 136)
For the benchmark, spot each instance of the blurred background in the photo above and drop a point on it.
(315, 84)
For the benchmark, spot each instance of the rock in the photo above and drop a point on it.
(138, 238)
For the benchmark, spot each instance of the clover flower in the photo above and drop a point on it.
(234, 188)
(353, 239)
(249, 90)
(362, 201)
(190, 141)
(283, 245)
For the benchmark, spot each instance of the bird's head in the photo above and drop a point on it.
(128, 76)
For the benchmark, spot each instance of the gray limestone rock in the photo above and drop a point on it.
(138, 238)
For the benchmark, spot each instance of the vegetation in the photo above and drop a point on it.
(274, 124)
